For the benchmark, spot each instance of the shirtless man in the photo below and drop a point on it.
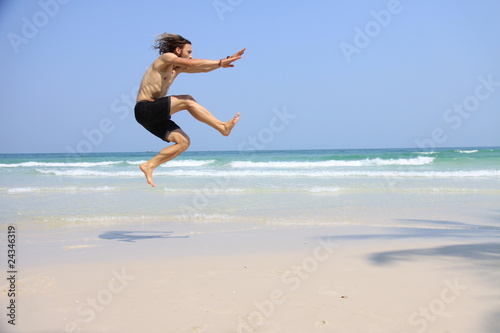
(154, 108)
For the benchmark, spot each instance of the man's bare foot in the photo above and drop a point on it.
(148, 172)
(228, 126)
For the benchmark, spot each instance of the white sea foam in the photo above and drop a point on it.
(420, 160)
(467, 151)
(186, 163)
(334, 174)
(97, 218)
(23, 190)
(59, 164)
(89, 173)
(208, 189)
(274, 173)
(99, 188)
(178, 163)
(318, 189)
(136, 162)
(15, 190)
(207, 217)
(85, 189)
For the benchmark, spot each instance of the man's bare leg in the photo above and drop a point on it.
(181, 144)
(186, 102)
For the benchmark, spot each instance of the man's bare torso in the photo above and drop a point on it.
(157, 80)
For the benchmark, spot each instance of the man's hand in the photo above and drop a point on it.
(228, 62)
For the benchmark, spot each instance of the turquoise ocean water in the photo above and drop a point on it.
(400, 187)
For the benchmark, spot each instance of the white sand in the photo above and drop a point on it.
(321, 279)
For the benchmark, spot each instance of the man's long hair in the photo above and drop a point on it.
(169, 42)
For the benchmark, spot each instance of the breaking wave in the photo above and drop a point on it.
(420, 160)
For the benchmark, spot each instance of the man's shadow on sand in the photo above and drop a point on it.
(132, 236)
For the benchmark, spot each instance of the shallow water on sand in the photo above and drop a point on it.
(455, 187)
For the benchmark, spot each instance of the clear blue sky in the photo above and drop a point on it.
(316, 74)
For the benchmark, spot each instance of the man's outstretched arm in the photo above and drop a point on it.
(203, 66)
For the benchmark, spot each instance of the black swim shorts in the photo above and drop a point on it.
(155, 117)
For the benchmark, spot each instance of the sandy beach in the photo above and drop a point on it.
(233, 166)
(305, 279)
(384, 240)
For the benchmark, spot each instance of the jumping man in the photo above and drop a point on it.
(154, 109)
